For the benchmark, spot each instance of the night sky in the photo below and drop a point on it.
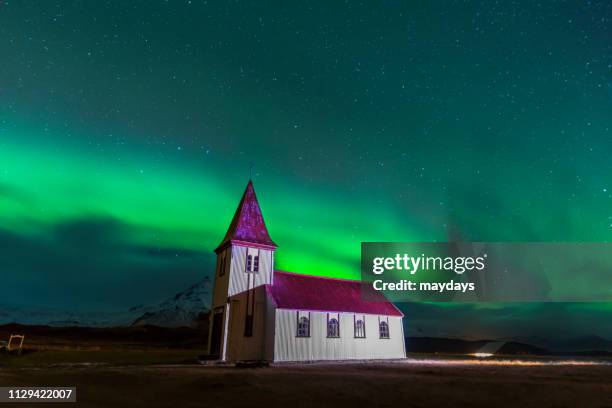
(127, 130)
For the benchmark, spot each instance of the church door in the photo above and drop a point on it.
(215, 341)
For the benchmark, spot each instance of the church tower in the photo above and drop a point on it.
(245, 260)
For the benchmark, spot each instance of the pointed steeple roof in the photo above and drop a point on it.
(248, 225)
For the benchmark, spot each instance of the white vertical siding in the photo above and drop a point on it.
(240, 280)
(257, 346)
(288, 347)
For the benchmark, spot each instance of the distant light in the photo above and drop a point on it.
(482, 355)
(502, 362)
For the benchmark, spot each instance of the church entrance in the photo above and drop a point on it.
(217, 331)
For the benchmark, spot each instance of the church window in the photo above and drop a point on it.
(222, 265)
(252, 263)
(333, 327)
(249, 264)
(256, 263)
(384, 330)
(303, 327)
(359, 329)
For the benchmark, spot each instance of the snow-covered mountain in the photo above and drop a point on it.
(183, 309)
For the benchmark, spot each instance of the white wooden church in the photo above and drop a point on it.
(259, 313)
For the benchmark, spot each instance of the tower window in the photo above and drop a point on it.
(252, 263)
(256, 263)
(222, 265)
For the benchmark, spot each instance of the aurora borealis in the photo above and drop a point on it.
(127, 130)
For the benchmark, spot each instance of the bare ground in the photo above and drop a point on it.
(325, 385)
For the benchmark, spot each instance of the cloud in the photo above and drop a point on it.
(93, 263)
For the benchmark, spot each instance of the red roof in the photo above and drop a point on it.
(305, 292)
(248, 224)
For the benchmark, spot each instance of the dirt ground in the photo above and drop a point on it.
(405, 384)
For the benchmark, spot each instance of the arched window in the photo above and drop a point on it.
(333, 328)
(383, 330)
(359, 329)
(303, 328)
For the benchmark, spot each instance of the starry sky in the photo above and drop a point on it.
(127, 130)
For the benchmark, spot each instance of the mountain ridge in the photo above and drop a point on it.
(184, 308)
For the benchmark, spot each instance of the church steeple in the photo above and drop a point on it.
(245, 261)
(248, 225)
